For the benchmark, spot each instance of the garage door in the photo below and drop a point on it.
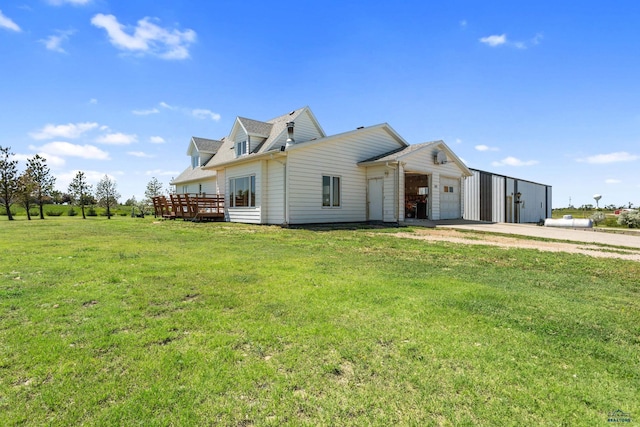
(450, 198)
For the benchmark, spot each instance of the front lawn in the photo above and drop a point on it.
(136, 322)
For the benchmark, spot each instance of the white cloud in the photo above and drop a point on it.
(117, 138)
(463, 23)
(458, 141)
(20, 157)
(69, 130)
(140, 154)
(205, 114)
(54, 42)
(145, 112)
(620, 156)
(494, 40)
(612, 181)
(72, 2)
(499, 40)
(52, 160)
(512, 161)
(160, 172)
(167, 106)
(66, 149)
(483, 147)
(156, 140)
(93, 101)
(6, 22)
(146, 37)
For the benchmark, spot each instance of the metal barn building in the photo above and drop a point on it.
(498, 198)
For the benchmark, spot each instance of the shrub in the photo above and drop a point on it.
(598, 217)
(34, 212)
(72, 212)
(3, 211)
(53, 213)
(91, 211)
(629, 219)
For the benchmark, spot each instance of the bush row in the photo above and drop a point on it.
(56, 210)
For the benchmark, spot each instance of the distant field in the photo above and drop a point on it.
(136, 322)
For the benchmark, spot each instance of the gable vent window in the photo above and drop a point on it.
(241, 148)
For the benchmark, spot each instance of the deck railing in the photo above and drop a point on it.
(194, 207)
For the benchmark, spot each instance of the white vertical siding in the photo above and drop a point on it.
(533, 201)
(497, 198)
(510, 201)
(472, 197)
(336, 157)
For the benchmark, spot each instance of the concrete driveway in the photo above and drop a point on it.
(631, 240)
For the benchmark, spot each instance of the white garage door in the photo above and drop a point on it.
(450, 198)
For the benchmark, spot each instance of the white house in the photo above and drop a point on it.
(195, 179)
(288, 171)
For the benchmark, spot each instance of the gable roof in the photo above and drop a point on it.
(193, 174)
(399, 154)
(272, 130)
(204, 145)
(255, 128)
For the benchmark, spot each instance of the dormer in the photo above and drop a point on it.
(201, 150)
(247, 135)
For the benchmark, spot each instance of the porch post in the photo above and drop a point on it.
(400, 191)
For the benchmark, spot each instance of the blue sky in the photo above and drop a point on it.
(544, 91)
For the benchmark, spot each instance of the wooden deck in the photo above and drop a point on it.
(190, 207)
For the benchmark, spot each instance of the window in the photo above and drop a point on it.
(242, 192)
(330, 191)
(195, 161)
(241, 148)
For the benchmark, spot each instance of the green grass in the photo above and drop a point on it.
(131, 322)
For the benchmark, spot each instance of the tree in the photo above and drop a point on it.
(79, 190)
(43, 180)
(8, 179)
(107, 194)
(154, 188)
(25, 190)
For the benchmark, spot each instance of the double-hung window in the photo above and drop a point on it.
(241, 148)
(330, 191)
(242, 191)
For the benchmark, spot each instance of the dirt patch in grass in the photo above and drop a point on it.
(469, 238)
